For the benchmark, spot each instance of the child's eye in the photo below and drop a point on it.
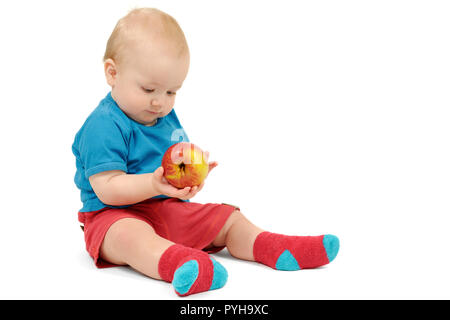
(171, 93)
(148, 90)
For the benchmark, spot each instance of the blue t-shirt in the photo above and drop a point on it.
(109, 140)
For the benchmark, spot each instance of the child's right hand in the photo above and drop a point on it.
(162, 186)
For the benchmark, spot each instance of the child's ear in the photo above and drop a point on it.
(110, 71)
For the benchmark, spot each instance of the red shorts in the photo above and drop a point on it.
(191, 224)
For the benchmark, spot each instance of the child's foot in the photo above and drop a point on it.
(191, 270)
(283, 252)
(186, 275)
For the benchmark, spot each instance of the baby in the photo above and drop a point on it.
(131, 215)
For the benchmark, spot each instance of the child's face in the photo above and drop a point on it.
(144, 86)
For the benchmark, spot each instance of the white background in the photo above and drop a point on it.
(324, 116)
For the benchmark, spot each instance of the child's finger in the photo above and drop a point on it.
(164, 180)
(159, 173)
(192, 193)
(200, 187)
(213, 164)
(184, 192)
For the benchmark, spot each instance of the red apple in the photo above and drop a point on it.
(185, 165)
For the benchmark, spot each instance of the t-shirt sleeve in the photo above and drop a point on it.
(103, 146)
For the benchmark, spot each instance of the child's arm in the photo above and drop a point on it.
(116, 188)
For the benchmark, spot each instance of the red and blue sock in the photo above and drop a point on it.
(191, 270)
(283, 252)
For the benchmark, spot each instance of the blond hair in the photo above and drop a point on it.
(145, 24)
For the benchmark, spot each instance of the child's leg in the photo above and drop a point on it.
(133, 242)
(238, 235)
(246, 241)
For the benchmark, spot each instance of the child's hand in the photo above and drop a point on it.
(162, 186)
(212, 165)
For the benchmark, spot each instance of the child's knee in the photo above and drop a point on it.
(124, 235)
(220, 239)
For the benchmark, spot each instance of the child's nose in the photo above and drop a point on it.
(157, 102)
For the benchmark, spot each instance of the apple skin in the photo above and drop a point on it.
(184, 165)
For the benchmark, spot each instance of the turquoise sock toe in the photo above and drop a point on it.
(331, 244)
(287, 262)
(185, 276)
(220, 275)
